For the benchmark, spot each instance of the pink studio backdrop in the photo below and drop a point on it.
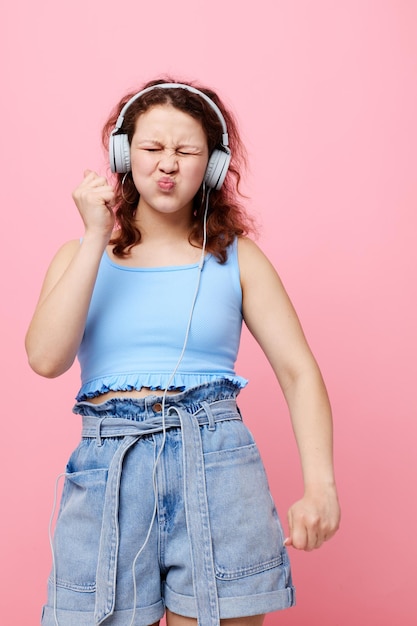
(326, 96)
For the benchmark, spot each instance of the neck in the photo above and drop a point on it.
(157, 225)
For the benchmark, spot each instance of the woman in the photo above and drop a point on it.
(165, 504)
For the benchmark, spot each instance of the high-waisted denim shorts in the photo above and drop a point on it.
(166, 504)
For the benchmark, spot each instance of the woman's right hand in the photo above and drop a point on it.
(95, 200)
(57, 326)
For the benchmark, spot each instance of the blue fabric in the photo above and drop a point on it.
(137, 324)
(166, 509)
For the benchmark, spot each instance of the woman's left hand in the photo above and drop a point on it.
(314, 519)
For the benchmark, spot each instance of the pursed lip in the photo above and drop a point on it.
(166, 183)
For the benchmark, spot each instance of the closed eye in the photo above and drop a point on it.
(179, 151)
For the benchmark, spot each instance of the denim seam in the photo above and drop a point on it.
(248, 571)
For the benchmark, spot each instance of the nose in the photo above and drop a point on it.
(168, 162)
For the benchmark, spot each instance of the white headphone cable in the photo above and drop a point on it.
(187, 333)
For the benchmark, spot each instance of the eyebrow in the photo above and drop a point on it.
(155, 142)
(150, 141)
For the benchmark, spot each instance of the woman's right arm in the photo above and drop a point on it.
(57, 327)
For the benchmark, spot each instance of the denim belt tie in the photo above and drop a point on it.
(195, 500)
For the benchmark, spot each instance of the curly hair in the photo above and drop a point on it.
(227, 217)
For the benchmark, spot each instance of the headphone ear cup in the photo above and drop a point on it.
(217, 168)
(119, 153)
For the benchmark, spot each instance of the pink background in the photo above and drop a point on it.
(326, 96)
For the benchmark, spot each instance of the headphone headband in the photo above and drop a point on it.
(120, 119)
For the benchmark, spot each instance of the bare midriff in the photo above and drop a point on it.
(142, 393)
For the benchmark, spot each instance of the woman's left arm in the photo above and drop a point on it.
(271, 318)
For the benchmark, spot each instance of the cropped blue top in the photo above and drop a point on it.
(137, 323)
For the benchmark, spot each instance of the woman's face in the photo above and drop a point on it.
(169, 156)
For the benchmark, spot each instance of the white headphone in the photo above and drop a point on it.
(119, 147)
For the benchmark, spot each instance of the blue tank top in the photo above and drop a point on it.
(137, 323)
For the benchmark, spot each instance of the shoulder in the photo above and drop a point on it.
(260, 282)
(252, 260)
(247, 246)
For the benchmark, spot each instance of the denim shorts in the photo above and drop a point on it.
(166, 504)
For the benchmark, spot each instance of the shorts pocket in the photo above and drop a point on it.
(78, 529)
(246, 532)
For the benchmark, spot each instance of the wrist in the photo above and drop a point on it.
(96, 239)
(320, 486)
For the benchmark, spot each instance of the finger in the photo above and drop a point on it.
(305, 536)
(299, 538)
(90, 174)
(111, 202)
(318, 534)
(298, 535)
(315, 536)
(108, 198)
(93, 179)
(98, 182)
(288, 539)
(313, 542)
